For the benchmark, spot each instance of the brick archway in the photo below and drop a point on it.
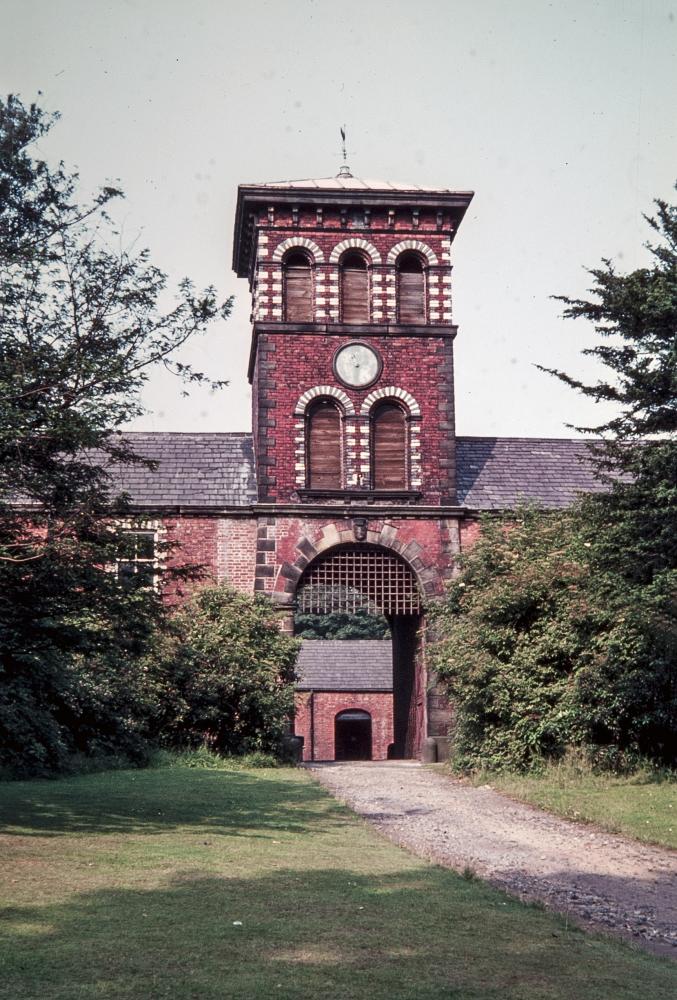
(355, 531)
(355, 566)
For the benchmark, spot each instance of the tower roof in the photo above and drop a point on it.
(344, 189)
(346, 182)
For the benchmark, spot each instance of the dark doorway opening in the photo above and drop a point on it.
(408, 695)
(352, 735)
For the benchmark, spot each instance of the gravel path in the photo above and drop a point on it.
(599, 879)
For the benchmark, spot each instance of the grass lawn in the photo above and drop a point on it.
(639, 806)
(178, 883)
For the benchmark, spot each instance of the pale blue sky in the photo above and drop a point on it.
(561, 116)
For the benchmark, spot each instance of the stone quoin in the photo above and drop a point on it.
(353, 489)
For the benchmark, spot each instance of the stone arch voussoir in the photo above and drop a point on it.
(391, 392)
(298, 243)
(355, 243)
(382, 533)
(324, 390)
(415, 245)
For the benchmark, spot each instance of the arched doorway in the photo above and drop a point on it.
(352, 735)
(358, 577)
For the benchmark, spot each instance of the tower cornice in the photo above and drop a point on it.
(252, 198)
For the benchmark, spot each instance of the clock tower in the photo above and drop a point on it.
(352, 378)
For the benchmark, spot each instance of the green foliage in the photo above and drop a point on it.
(541, 652)
(511, 629)
(641, 805)
(635, 318)
(80, 328)
(562, 629)
(181, 883)
(224, 675)
(361, 624)
(204, 759)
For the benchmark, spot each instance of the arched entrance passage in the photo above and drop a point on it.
(349, 578)
(352, 735)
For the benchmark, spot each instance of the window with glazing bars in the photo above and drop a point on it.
(135, 563)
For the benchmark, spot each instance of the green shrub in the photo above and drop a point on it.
(223, 677)
(204, 759)
(540, 651)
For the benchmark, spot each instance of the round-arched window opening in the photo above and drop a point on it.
(411, 289)
(354, 262)
(354, 288)
(352, 735)
(323, 445)
(298, 287)
(388, 447)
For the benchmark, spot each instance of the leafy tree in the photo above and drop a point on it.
(635, 317)
(81, 327)
(361, 624)
(224, 675)
(539, 653)
(562, 629)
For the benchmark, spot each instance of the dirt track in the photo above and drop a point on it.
(599, 879)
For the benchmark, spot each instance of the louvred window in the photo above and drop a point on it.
(410, 289)
(298, 289)
(324, 446)
(354, 289)
(389, 448)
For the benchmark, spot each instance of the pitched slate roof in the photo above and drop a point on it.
(499, 473)
(345, 665)
(217, 470)
(194, 470)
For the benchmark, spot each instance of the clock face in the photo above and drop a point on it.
(357, 365)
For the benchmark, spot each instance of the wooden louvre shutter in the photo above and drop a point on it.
(389, 448)
(324, 447)
(411, 292)
(354, 290)
(298, 290)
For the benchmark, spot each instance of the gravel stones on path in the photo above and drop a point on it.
(600, 880)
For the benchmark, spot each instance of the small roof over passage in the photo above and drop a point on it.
(356, 577)
(345, 665)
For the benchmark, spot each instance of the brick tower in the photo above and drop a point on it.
(351, 370)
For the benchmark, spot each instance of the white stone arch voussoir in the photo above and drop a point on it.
(298, 243)
(422, 248)
(324, 391)
(355, 243)
(391, 392)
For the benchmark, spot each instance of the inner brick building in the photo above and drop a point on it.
(353, 490)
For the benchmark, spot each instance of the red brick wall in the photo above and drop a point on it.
(290, 360)
(253, 553)
(470, 532)
(224, 548)
(237, 552)
(378, 234)
(422, 367)
(327, 704)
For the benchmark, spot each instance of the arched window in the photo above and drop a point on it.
(389, 447)
(410, 289)
(354, 289)
(298, 288)
(323, 436)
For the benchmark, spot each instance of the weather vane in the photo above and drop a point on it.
(344, 169)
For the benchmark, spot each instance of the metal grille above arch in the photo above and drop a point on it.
(359, 577)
